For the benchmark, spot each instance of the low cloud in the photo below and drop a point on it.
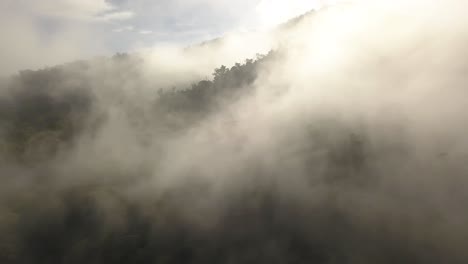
(48, 32)
(346, 144)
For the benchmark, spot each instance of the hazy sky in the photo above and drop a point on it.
(45, 32)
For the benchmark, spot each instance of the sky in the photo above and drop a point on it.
(46, 32)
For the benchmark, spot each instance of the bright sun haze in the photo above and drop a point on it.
(274, 12)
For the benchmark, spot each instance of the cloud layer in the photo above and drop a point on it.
(347, 144)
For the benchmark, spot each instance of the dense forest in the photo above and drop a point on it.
(46, 112)
(100, 164)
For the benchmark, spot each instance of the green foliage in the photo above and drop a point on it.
(46, 110)
(50, 106)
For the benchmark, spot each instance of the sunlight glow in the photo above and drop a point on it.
(274, 12)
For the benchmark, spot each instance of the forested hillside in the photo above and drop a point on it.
(46, 114)
(54, 104)
(343, 144)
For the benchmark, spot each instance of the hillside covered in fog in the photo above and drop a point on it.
(339, 137)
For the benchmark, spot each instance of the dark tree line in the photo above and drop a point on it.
(55, 102)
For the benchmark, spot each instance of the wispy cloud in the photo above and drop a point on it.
(145, 32)
(113, 16)
(94, 10)
(123, 29)
(132, 29)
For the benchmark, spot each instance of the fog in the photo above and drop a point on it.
(346, 143)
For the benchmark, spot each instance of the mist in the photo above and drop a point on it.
(339, 137)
